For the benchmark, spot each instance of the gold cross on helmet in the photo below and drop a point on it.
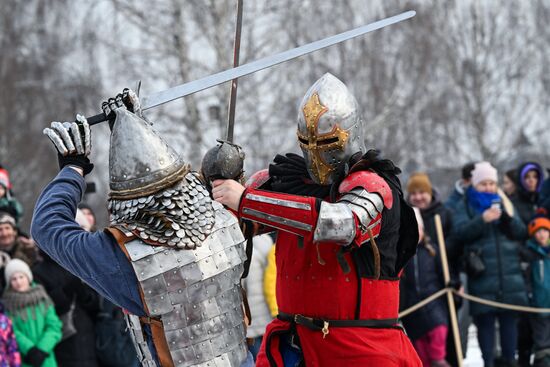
(329, 128)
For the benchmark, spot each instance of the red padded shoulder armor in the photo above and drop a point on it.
(257, 179)
(371, 182)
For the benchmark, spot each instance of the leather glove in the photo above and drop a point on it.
(35, 357)
(127, 99)
(73, 143)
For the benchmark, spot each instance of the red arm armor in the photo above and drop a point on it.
(290, 213)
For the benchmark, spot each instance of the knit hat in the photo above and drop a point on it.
(537, 224)
(6, 218)
(17, 266)
(419, 182)
(484, 171)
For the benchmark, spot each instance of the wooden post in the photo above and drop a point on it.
(450, 299)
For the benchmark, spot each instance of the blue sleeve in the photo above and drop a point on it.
(94, 257)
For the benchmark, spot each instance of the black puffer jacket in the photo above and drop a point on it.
(423, 275)
(63, 288)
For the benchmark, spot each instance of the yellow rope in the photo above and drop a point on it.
(473, 299)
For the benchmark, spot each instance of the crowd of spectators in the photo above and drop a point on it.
(49, 317)
(496, 239)
(497, 236)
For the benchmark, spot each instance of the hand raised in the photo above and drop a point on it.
(491, 214)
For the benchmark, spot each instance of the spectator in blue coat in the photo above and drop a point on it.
(490, 237)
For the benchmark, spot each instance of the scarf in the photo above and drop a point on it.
(481, 201)
(36, 298)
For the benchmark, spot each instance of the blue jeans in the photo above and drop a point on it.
(255, 348)
(485, 324)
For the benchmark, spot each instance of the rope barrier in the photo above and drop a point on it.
(469, 297)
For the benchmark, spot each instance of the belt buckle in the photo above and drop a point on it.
(325, 330)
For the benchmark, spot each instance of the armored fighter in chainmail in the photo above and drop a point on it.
(344, 233)
(172, 257)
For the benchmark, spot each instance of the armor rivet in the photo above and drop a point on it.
(347, 279)
(179, 290)
(329, 278)
(168, 284)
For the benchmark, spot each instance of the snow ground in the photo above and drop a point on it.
(473, 355)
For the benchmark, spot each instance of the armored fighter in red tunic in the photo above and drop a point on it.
(344, 233)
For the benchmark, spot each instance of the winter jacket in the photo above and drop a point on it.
(9, 352)
(423, 276)
(65, 290)
(497, 245)
(456, 196)
(254, 286)
(539, 271)
(270, 283)
(40, 328)
(544, 196)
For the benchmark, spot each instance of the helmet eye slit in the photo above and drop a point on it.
(327, 141)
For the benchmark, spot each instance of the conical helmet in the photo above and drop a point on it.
(140, 161)
(330, 128)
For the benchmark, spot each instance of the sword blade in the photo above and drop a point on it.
(182, 90)
(234, 82)
(159, 98)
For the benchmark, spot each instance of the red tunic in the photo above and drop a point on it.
(306, 287)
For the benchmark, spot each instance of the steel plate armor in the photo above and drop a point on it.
(196, 294)
(330, 129)
(187, 252)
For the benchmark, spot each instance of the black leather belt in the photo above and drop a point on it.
(323, 325)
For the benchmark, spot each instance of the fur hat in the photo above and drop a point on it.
(484, 171)
(538, 223)
(6, 218)
(17, 266)
(419, 182)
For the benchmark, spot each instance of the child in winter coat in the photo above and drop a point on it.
(539, 248)
(36, 325)
(9, 353)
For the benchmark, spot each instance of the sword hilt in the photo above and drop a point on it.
(99, 118)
